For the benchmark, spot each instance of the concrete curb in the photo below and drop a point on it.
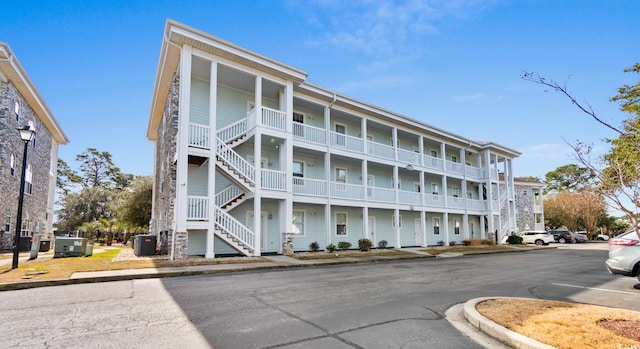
(496, 331)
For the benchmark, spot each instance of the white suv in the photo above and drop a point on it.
(624, 254)
(538, 237)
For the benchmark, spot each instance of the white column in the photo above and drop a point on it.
(327, 221)
(396, 180)
(288, 160)
(211, 189)
(257, 156)
(363, 128)
(396, 213)
(182, 148)
(423, 189)
(423, 225)
(465, 226)
(365, 223)
(365, 174)
(327, 207)
(445, 223)
(394, 133)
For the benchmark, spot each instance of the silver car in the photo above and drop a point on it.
(624, 254)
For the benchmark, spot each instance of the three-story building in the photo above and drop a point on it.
(21, 105)
(247, 153)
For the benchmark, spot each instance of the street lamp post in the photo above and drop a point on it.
(26, 133)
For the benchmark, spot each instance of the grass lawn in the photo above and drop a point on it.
(347, 254)
(62, 268)
(566, 325)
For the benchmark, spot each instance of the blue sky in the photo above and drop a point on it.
(454, 64)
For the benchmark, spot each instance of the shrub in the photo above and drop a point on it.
(344, 245)
(514, 240)
(314, 246)
(488, 242)
(331, 248)
(440, 243)
(364, 244)
(467, 242)
(452, 243)
(382, 244)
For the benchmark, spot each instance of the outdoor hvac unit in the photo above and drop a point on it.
(69, 247)
(144, 245)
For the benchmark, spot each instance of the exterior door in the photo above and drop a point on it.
(298, 121)
(418, 232)
(263, 230)
(340, 130)
(371, 229)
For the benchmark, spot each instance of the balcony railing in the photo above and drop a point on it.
(474, 172)
(455, 167)
(454, 202)
(308, 186)
(347, 191)
(434, 163)
(381, 194)
(274, 180)
(434, 200)
(227, 195)
(339, 140)
(199, 136)
(409, 157)
(310, 134)
(197, 208)
(410, 197)
(380, 150)
(474, 204)
(233, 131)
(273, 118)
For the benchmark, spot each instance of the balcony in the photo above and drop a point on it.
(197, 208)
(308, 186)
(309, 134)
(273, 180)
(269, 118)
(346, 142)
(199, 136)
(347, 191)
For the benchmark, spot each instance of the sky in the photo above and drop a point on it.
(453, 64)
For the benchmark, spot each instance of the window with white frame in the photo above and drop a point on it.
(454, 158)
(436, 225)
(298, 172)
(298, 222)
(7, 222)
(28, 180)
(469, 195)
(12, 162)
(298, 121)
(341, 223)
(341, 178)
(456, 227)
(434, 188)
(340, 130)
(16, 109)
(24, 229)
(455, 191)
(393, 221)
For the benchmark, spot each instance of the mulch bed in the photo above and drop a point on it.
(624, 328)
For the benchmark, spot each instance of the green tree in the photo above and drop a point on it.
(86, 205)
(132, 206)
(569, 177)
(97, 169)
(66, 178)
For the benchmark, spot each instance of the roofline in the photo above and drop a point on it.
(176, 35)
(12, 70)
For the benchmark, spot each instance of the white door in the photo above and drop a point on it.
(371, 226)
(263, 230)
(370, 184)
(417, 231)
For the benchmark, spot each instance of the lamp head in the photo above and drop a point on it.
(27, 132)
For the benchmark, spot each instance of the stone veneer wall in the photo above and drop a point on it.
(525, 219)
(165, 171)
(35, 204)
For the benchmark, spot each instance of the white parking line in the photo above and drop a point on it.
(597, 289)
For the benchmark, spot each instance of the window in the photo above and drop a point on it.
(12, 162)
(33, 138)
(454, 158)
(28, 180)
(436, 225)
(298, 222)
(298, 120)
(455, 191)
(24, 229)
(456, 227)
(298, 172)
(16, 108)
(341, 130)
(341, 177)
(7, 222)
(393, 221)
(434, 158)
(469, 195)
(341, 223)
(434, 188)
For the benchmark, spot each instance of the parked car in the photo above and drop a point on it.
(538, 237)
(561, 236)
(624, 255)
(602, 237)
(580, 237)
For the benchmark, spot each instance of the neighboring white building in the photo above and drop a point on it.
(237, 133)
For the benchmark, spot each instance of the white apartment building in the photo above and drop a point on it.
(247, 152)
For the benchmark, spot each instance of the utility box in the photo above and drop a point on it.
(69, 247)
(25, 244)
(89, 251)
(144, 245)
(45, 245)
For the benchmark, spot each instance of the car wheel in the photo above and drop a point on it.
(562, 240)
(599, 239)
(539, 242)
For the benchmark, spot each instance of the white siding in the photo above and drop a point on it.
(197, 242)
(199, 108)
(197, 180)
